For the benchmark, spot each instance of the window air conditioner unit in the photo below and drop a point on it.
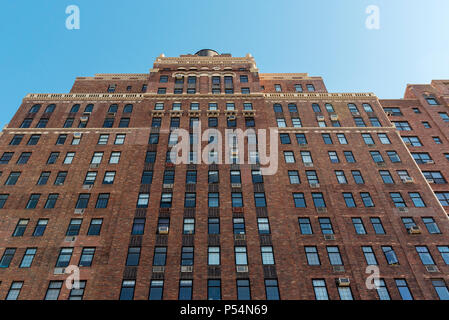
(59, 271)
(240, 236)
(407, 180)
(334, 117)
(242, 269)
(158, 269)
(77, 135)
(163, 230)
(84, 119)
(231, 117)
(87, 186)
(167, 186)
(79, 211)
(321, 210)
(186, 268)
(414, 230)
(432, 269)
(314, 185)
(111, 114)
(430, 161)
(320, 118)
(308, 164)
(236, 185)
(339, 269)
(94, 165)
(403, 209)
(343, 282)
(355, 113)
(381, 164)
(70, 239)
(430, 181)
(329, 237)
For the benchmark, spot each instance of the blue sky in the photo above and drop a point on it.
(325, 38)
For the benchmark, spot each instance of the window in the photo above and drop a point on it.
(12, 178)
(359, 122)
(185, 290)
(434, 177)
(390, 255)
(256, 176)
(8, 254)
(83, 200)
(41, 225)
(60, 178)
(97, 157)
(53, 158)
(237, 199)
(377, 157)
(87, 255)
(299, 200)
(189, 226)
(238, 225)
(357, 176)
(341, 178)
(285, 138)
(263, 226)
(267, 255)
(245, 91)
(334, 256)
(402, 125)
(241, 258)
(422, 157)
(370, 257)
(42, 123)
(271, 289)
(127, 290)
(3, 198)
(156, 290)
(349, 156)
(32, 202)
(316, 107)
(156, 122)
(386, 176)
(213, 225)
(320, 290)
(394, 157)
(310, 87)
(213, 256)
(260, 201)
(103, 139)
(128, 108)
(26, 123)
(367, 138)
(90, 178)
(431, 225)
(296, 123)
(102, 201)
(166, 200)
(301, 138)
(95, 227)
(114, 158)
(304, 226)
(312, 256)
(375, 122)
(133, 256)
(190, 200)
(312, 176)
(341, 138)
(16, 140)
(424, 255)
(437, 140)
(382, 290)
(277, 88)
(444, 251)
(377, 225)
(403, 289)
(78, 293)
(293, 175)
(213, 200)
(327, 138)
(358, 226)
(281, 122)
(298, 88)
(74, 227)
(441, 289)
(108, 123)
(213, 289)
(349, 200)
(326, 225)
(345, 293)
(243, 78)
(51, 201)
(366, 198)
(444, 116)
(318, 200)
(412, 141)
(65, 254)
(53, 290)
(138, 226)
(14, 290)
(416, 199)
(20, 228)
(443, 197)
(109, 177)
(150, 157)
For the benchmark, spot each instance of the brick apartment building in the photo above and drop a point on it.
(85, 181)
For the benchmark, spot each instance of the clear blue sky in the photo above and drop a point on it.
(325, 38)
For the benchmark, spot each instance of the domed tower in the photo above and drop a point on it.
(207, 53)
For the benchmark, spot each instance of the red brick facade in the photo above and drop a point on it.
(290, 267)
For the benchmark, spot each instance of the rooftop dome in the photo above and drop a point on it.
(207, 53)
